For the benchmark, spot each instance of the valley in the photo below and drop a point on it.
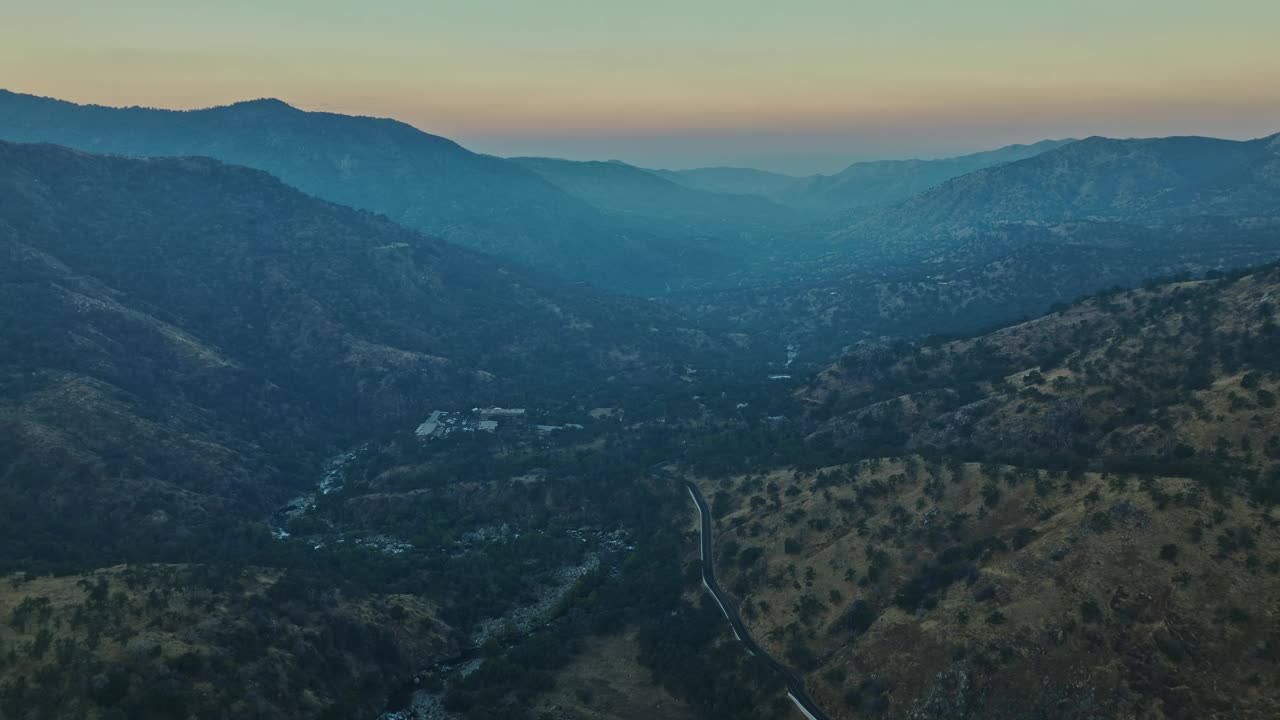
(308, 415)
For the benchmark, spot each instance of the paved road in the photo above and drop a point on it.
(795, 686)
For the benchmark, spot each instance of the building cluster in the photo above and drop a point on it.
(509, 421)
(443, 423)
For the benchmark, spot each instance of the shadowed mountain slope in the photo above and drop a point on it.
(1149, 181)
(643, 197)
(422, 181)
(185, 338)
(870, 184)
(732, 180)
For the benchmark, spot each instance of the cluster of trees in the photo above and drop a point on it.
(1128, 369)
(157, 641)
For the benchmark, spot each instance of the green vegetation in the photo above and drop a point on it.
(922, 529)
(175, 642)
(421, 181)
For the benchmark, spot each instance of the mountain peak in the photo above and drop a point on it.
(266, 104)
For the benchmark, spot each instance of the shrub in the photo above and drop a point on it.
(1100, 521)
(990, 494)
(750, 556)
(1090, 611)
(1023, 537)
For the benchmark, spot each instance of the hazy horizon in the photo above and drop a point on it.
(798, 89)
(788, 154)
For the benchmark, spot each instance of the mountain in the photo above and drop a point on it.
(1071, 517)
(422, 181)
(650, 200)
(885, 182)
(214, 501)
(863, 184)
(932, 589)
(1148, 181)
(186, 339)
(732, 180)
(994, 277)
(1009, 241)
(1174, 378)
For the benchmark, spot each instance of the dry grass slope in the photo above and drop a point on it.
(907, 588)
(607, 682)
(160, 641)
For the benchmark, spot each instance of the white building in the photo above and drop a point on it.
(429, 426)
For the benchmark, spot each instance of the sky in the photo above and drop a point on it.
(800, 86)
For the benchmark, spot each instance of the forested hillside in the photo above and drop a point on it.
(185, 339)
(1008, 273)
(1156, 181)
(1093, 491)
(1177, 377)
(422, 181)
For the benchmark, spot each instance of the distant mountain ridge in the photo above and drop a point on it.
(867, 184)
(648, 197)
(423, 181)
(737, 180)
(1012, 239)
(862, 184)
(1148, 181)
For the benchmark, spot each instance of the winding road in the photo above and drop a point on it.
(795, 686)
